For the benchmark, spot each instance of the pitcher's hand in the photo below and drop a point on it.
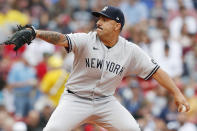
(181, 103)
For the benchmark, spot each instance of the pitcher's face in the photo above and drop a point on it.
(105, 26)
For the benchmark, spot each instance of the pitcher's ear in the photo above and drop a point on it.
(118, 26)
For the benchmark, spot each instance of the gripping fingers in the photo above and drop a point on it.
(183, 108)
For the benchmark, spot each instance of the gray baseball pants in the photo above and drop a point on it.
(74, 111)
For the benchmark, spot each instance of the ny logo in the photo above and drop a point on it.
(105, 8)
(117, 18)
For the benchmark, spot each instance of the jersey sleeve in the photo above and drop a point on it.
(76, 41)
(141, 64)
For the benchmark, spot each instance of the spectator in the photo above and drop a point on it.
(53, 81)
(44, 21)
(158, 10)
(22, 79)
(184, 39)
(145, 42)
(168, 53)
(184, 17)
(155, 28)
(63, 22)
(174, 4)
(135, 11)
(36, 54)
(82, 10)
(191, 61)
(60, 7)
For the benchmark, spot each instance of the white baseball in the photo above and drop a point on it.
(182, 108)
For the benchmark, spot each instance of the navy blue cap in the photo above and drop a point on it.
(113, 13)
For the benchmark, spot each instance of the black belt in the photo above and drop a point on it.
(70, 91)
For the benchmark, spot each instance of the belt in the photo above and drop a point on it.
(71, 92)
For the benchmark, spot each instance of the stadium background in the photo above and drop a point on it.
(35, 75)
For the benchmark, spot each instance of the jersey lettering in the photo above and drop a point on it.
(92, 62)
(121, 71)
(117, 67)
(110, 66)
(87, 63)
(107, 62)
(100, 63)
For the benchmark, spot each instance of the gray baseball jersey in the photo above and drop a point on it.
(96, 73)
(97, 70)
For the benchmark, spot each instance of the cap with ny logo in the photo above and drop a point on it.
(113, 13)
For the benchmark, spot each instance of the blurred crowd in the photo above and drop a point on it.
(32, 79)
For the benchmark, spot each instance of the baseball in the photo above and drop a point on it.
(182, 108)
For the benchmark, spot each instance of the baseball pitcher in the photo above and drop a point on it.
(102, 58)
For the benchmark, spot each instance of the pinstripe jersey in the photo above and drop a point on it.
(97, 70)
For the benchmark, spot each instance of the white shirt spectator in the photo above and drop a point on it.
(171, 64)
(173, 4)
(177, 23)
(34, 52)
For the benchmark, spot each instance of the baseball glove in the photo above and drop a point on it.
(24, 35)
